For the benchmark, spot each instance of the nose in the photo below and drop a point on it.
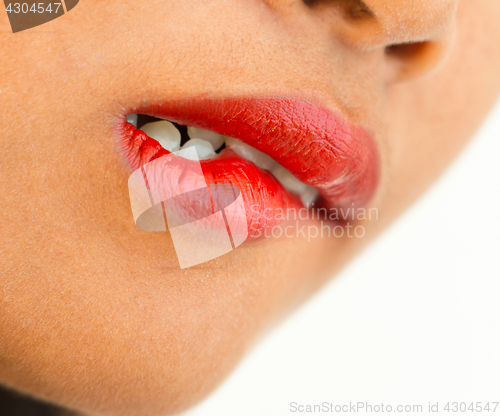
(412, 37)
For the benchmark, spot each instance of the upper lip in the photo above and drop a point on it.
(320, 147)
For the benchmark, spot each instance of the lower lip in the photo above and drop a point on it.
(266, 200)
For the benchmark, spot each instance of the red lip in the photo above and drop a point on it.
(317, 146)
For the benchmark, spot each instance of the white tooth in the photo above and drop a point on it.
(132, 119)
(309, 196)
(203, 148)
(165, 133)
(215, 139)
(262, 160)
(289, 181)
(189, 153)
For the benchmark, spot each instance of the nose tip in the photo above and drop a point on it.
(408, 21)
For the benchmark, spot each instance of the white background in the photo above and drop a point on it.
(416, 318)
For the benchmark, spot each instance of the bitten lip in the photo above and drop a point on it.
(319, 147)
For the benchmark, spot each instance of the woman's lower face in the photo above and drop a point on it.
(96, 314)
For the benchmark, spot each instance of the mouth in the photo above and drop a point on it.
(281, 154)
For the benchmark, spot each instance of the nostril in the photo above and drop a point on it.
(355, 9)
(415, 58)
(406, 51)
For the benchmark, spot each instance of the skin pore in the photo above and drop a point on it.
(95, 314)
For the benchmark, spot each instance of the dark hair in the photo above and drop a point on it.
(13, 403)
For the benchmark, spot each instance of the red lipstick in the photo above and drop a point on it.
(318, 146)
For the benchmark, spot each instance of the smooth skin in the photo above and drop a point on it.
(95, 314)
